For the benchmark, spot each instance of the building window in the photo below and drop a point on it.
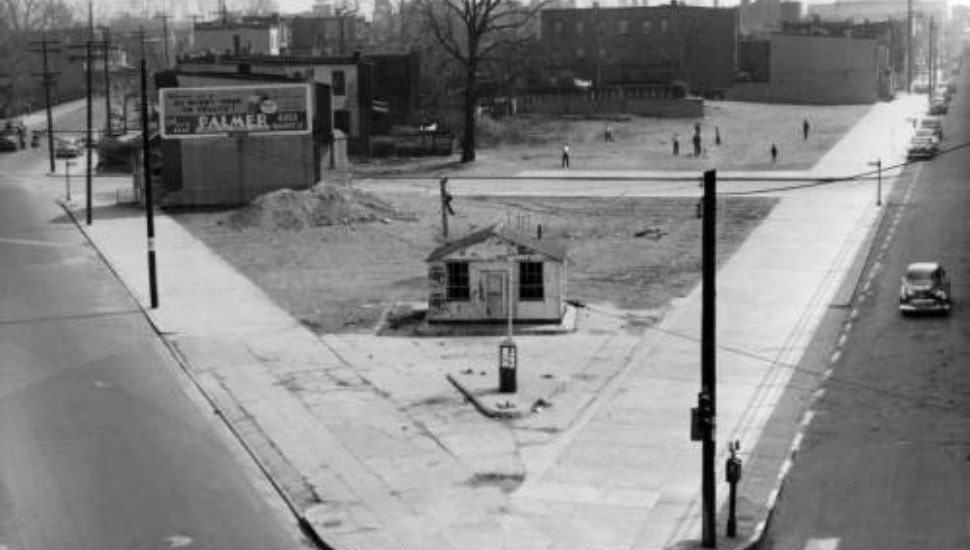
(339, 83)
(663, 25)
(579, 27)
(458, 289)
(530, 281)
(623, 26)
(557, 27)
(647, 26)
(602, 53)
(580, 53)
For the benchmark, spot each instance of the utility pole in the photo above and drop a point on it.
(164, 16)
(48, 76)
(147, 179)
(707, 399)
(106, 40)
(931, 53)
(909, 46)
(88, 62)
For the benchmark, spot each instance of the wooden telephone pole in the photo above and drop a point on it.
(48, 78)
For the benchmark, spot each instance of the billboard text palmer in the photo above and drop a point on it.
(221, 110)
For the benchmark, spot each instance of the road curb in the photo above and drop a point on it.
(302, 522)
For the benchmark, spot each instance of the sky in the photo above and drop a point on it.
(208, 8)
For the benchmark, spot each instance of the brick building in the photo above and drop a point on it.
(643, 45)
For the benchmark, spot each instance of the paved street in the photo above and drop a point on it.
(370, 439)
(104, 443)
(884, 463)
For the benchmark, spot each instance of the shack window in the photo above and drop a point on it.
(458, 289)
(530, 281)
(339, 83)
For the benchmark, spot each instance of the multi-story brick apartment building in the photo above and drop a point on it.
(653, 45)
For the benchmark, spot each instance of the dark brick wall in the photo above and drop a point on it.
(644, 45)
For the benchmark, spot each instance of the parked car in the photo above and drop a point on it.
(938, 106)
(13, 136)
(925, 287)
(934, 123)
(67, 147)
(922, 148)
(927, 133)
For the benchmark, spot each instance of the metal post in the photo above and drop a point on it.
(732, 471)
(878, 165)
(67, 178)
(909, 46)
(147, 179)
(87, 144)
(708, 380)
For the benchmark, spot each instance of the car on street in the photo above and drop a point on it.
(13, 136)
(934, 123)
(925, 287)
(938, 106)
(923, 148)
(67, 147)
(927, 133)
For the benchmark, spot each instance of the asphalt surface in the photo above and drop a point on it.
(103, 443)
(885, 462)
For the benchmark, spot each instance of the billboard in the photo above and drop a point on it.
(272, 109)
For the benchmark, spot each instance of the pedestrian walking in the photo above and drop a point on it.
(717, 135)
(774, 153)
(565, 155)
(676, 145)
(608, 133)
(805, 128)
(697, 145)
(697, 128)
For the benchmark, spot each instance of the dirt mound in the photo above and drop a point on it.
(323, 204)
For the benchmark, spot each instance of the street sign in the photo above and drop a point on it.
(272, 109)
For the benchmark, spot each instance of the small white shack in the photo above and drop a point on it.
(478, 277)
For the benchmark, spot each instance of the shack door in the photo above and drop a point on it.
(495, 299)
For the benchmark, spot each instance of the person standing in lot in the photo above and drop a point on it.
(717, 135)
(697, 145)
(608, 133)
(774, 153)
(565, 155)
(805, 128)
(676, 145)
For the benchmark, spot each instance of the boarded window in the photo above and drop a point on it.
(530, 281)
(623, 26)
(647, 26)
(458, 288)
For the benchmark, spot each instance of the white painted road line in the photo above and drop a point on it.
(822, 544)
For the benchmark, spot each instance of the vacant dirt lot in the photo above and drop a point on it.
(631, 253)
(747, 131)
(342, 277)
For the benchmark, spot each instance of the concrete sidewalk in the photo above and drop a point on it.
(372, 444)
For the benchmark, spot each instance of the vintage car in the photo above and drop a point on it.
(934, 123)
(922, 148)
(13, 136)
(925, 287)
(67, 147)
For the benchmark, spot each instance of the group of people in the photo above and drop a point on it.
(696, 140)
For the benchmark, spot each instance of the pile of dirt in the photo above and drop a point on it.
(323, 204)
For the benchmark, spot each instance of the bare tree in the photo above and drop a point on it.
(471, 31)
(20, 22)
(259, 7)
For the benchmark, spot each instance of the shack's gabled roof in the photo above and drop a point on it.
(550, 249)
